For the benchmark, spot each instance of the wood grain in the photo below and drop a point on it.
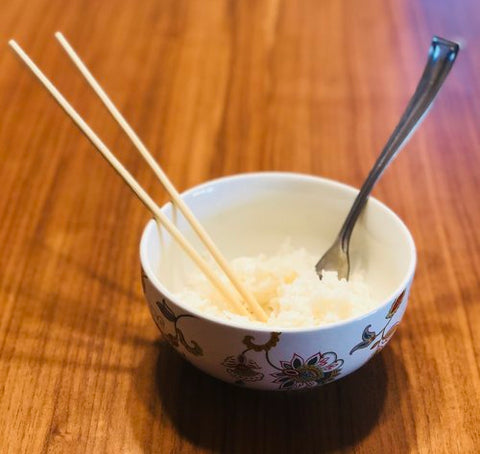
(214, 88)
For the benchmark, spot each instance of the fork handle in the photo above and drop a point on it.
(441, 56)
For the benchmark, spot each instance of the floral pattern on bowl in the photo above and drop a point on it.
(243, 369)
(318, 369)
(270, 360)
(383, 336)
(178, 338)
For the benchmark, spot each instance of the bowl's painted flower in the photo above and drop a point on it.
(243, 369)
(316, 370)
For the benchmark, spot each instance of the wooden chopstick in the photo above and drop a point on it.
(167, 184)
(228, 293)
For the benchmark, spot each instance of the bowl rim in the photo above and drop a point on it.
(147, 268)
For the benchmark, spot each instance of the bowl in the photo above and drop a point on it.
(248, 214)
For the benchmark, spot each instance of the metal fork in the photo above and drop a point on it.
(441, 57)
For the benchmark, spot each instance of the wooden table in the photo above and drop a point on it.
(215, 88)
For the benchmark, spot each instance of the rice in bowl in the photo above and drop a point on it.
(288, 289)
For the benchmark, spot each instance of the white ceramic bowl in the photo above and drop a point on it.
(252, 213)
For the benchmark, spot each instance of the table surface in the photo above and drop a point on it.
(216, 88)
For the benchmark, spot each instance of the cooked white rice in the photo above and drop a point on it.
(288, 288)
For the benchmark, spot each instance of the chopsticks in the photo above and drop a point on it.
(137, 188)
(167, 184)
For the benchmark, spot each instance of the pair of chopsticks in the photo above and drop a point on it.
(239, 301)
